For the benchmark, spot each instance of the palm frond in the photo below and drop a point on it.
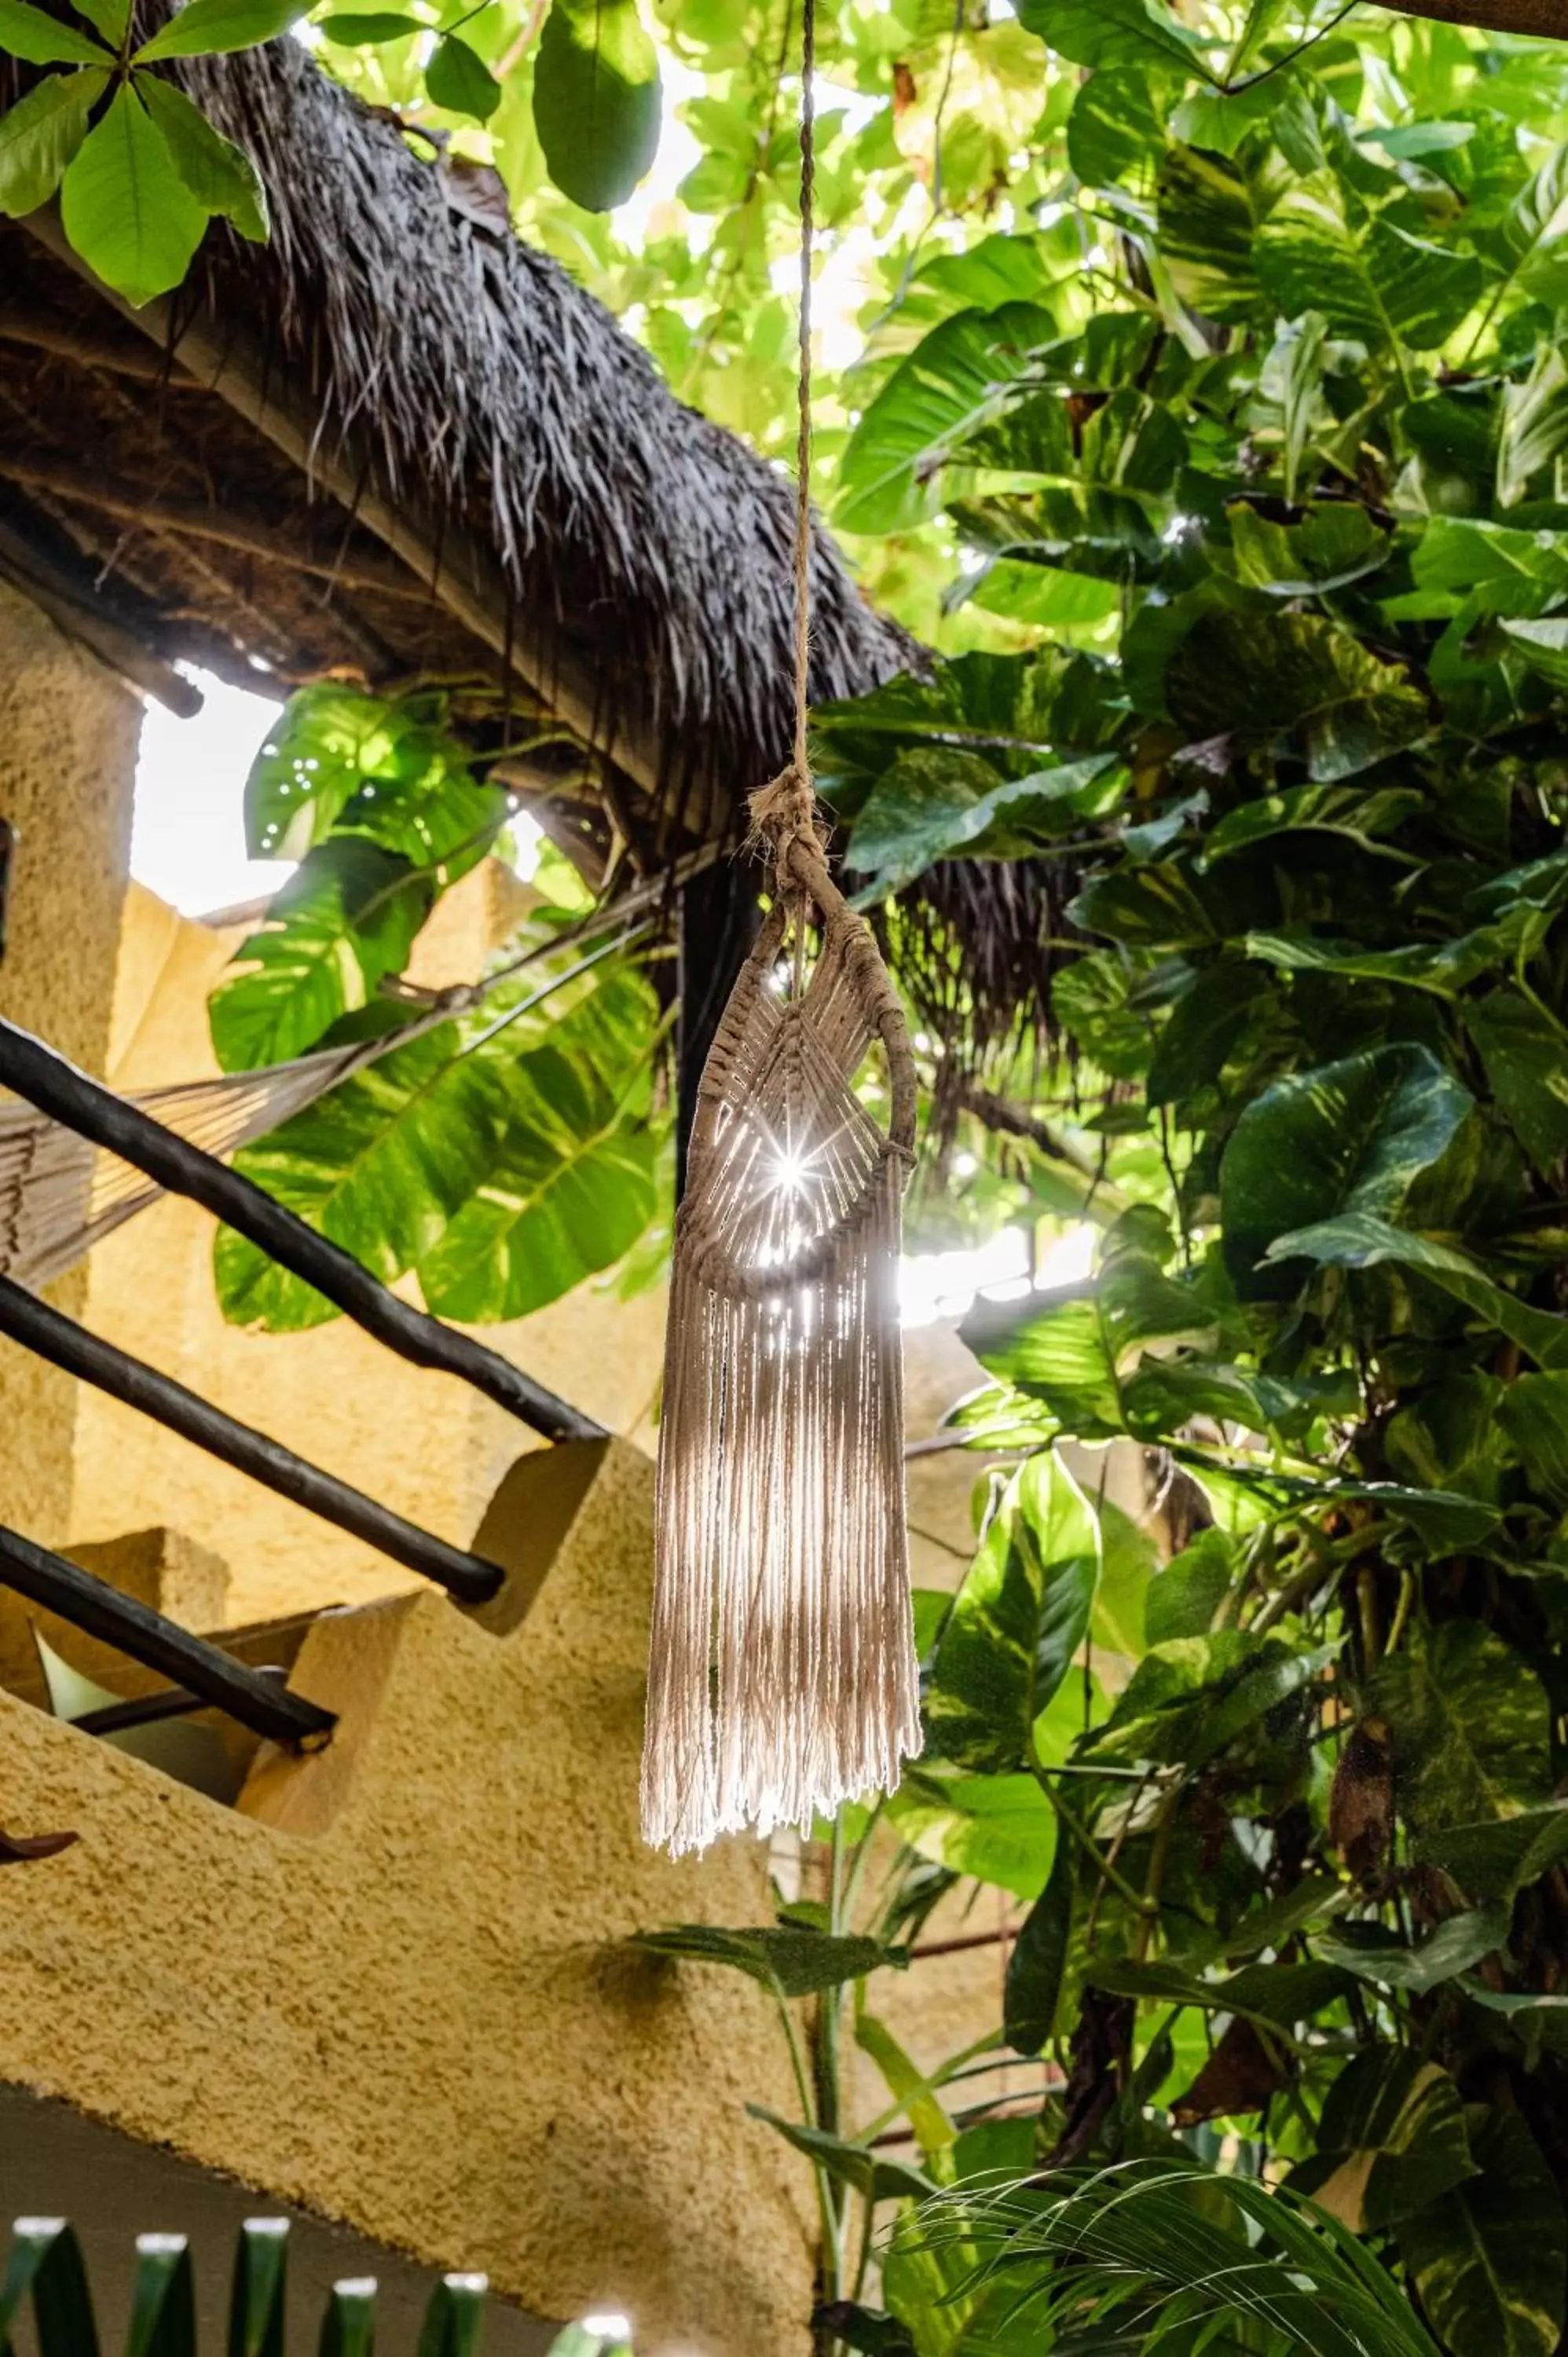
(1166, 2256)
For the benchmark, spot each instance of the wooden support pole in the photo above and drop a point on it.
(69, 1096)
(91, 1605)
(52, 1336)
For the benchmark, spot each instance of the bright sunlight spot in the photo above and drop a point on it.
(932, 1285)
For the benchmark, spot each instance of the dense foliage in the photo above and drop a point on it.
(1264, 428)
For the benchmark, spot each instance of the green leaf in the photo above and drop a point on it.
(1036, 1968)
(348, 916)
(1190, 1698)
(1495, 1856)
(596, 101)
(1373, 282)
(1471, 1726)
(787, 1957)
(1348, 1138)
(337, 762)
(1535, 425)
(1000, 1829)
(390, 1159)
(959, 378)
(572, 1186)
(1185, 1596)
(1113, 33)
(1117, 124)
(1525, 1055)
(1508, 570)
(934, 805)
(1392, 2138)
(458, 78)
(1350, 812)
(42, 40)
(1279, 1997)
(211, 29)
(1073, 1355)
(218, 175)
(1533, 1414)
(1361, 1241)
(1208, 233)
(41, 132)
(1268, 675)
(125, 209)
(366, 28)
(1335, 543)
(1382, 1957)
(348, 2326)
(1488, 2259)
(1016, 1622)
(872, 2175)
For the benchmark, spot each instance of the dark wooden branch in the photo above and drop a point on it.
(52, 589)
(59, 1339)
(91, 1605)
(1546, 20)
(68, 343)
(56, 1087)
(188, 519)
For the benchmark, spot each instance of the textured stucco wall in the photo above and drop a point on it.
(395, 1989)
(67, 752)
(423, 1444)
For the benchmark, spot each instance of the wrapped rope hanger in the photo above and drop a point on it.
(782, 1679)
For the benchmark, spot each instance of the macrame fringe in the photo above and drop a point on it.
(783, 1678)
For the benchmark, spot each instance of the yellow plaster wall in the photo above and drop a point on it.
(395, 1989)
(68, 751)
(422, 1443)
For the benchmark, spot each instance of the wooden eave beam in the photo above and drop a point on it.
(459, 573)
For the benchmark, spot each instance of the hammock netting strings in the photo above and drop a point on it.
(59, 1195)
(783, 1672)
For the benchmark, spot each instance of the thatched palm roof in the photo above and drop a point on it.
(398, 442)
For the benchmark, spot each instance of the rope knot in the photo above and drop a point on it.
(785, 812)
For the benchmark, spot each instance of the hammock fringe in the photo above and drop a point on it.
(783, 1679)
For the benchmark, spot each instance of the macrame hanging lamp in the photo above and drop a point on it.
(782, 1678)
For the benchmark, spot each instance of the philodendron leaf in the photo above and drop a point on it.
(1381, 1956)
(458, 79)
(1100, 33)
(1489, 2258)
(1359, 1239)
(959, 378)
(1335, 542)
(1495, 1856)
(41, 132)
(126, 206)
(368, 28)
(597, 99)
(1000, 1829)
(346, 918)
(932, 806)
(1533, 1415)
(1018, 1620)
(1347, 1139)
(1470, 1727)
(39, 39)
(790, 1958)
(1392, 2139)
(207, 28)
(218, 175)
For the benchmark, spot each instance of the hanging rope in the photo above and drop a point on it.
(782, 1678)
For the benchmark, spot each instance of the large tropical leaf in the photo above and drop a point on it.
(1489, 2258)
(1016, 1622)
(1350, 1138)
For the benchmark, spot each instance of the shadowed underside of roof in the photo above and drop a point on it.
(397, 444)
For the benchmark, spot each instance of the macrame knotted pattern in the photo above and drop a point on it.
(783, 1677)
